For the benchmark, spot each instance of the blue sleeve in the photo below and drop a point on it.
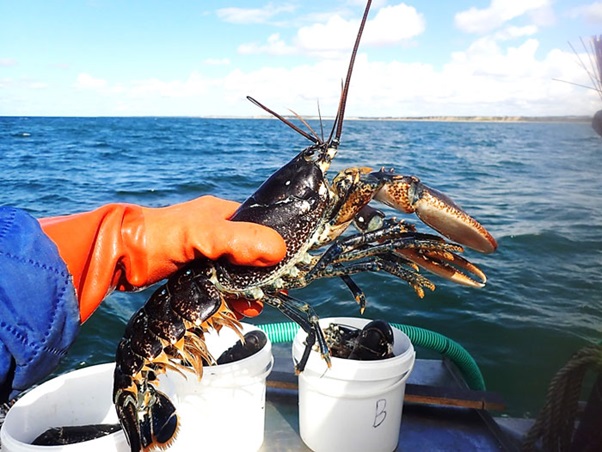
(39, 312)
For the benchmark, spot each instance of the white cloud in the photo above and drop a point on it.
(390, 25)
(298, 88)
(394, 24)
(516, 32)
(499, 12)
(38, 85)
(591, 12)
(86, 81)
(336, 35)
(194, 85)
(273, 46)
(28, 83)
(504, 72)
(253, 15)
(485, 79)
(7, 62)
(217, 61)
(486, 57)
(23, 83)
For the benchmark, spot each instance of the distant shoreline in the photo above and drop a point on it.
(507, 119)
(500, 119)
(490, 118)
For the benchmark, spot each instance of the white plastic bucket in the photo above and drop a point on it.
(354, 405)
(77, 398)
(224, 411)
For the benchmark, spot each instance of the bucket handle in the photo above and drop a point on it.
(395, 385)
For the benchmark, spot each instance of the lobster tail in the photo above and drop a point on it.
(167, 333)
(154, 428)
(125, 404)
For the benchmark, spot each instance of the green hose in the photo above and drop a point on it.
(420, 337)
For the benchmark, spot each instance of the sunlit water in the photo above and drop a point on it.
(536, 187)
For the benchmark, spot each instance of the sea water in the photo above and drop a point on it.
(535, 186)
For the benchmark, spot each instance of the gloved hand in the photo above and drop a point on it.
(128, 247)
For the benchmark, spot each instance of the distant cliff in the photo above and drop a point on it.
(586, 119)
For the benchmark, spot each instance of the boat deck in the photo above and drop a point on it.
(439, 413)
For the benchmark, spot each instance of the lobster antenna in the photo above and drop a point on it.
(594, 69)
(337, 128)
(284, 120)
(596, 74)
(306, 124)
(576, 84)
(591, 73)
(321, 123)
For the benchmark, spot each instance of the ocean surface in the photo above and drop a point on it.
(535, 186)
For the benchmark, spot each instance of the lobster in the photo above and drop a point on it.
(374, 341)
(311, 214)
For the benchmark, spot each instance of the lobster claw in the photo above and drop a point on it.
(408, 194)
(447, 265)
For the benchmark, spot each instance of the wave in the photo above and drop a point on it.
(536, 187)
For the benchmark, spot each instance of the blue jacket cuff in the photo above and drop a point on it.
(39, 312)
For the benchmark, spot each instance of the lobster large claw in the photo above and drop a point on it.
(447, 265)
(408, 194)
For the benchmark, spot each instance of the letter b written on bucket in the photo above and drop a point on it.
(381, 412)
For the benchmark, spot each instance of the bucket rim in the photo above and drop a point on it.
(347, 369)
(261, 359)
(12, 442)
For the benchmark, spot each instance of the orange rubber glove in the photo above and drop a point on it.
(129, 247)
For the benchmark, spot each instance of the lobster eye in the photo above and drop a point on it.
(309, 152)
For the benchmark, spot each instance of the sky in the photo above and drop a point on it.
(202, 58)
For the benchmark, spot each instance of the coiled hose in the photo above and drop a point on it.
(420, 337)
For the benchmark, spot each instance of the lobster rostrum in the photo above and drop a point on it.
(310, 213)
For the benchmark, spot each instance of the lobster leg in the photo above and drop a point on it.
(357, 292)
(391, 248)
(303, 315)
(438, 258)
(396, 236)
(446, 265)
(440, 262)
(376, 264)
